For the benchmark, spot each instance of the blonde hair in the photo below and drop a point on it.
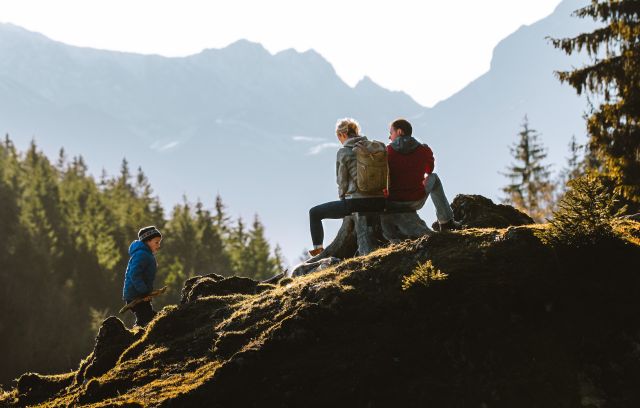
(349, 126)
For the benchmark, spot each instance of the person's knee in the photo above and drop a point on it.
(314, 212)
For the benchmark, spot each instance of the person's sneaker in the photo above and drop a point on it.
(316, 251)
(451, 225)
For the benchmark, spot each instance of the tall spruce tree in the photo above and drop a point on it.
(237, 243)
(279, 260)
(574, 168)
(614, 79)
(530, 189)
(221, 218)
(258, 261)
(211, 256)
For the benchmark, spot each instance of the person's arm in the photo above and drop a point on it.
(138, 264)
(430, 162)
(342, 173)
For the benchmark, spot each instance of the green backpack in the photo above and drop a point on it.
(372, 167)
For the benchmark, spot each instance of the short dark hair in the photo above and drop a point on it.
(403, 125)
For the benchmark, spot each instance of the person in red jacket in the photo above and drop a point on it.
(411, 176)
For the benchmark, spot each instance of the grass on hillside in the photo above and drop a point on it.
(189, 349)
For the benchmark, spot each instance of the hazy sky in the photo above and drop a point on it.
(429, 49)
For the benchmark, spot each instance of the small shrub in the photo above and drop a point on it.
(423, 276)
(584, 214)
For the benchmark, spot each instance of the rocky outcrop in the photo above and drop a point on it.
(216, 285)
(314, 266)
(191, 282)
(361, 234)
(33, 388)
(476, 211)
(113, 338)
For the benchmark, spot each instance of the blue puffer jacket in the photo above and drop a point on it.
(141, 271)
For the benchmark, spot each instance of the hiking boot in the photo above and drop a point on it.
(451, 225)
(316, 251)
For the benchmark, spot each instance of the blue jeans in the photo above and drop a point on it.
(340, 209)
(433, 187)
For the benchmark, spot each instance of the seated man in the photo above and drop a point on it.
(411, 176)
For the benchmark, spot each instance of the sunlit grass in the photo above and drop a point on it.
(150, 370)
(423, 275)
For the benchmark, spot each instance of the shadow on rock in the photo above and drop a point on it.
(113, 338)
(476, 211)
(216, 285)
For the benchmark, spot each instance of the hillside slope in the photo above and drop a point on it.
(514, 322)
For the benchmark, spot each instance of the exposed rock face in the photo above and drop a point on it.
(34, 388)
(357, 232)
(315, 266)
(216, 285)
(361, 234)
(476, 211)
(190, 283)
(113, 338)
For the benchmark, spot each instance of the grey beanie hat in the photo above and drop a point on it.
(148, 233)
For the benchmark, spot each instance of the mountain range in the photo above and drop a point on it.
(258, 128)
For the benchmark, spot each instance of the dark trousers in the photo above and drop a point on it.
(144, 313)
(340, 209)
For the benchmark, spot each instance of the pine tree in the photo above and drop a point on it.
(62, 160)
(40, 204)
(212, 256)
(613, 78)
(181, 238)
(584, 214)
(279, 261)
(258, 262)
(9, 213)
(144, 193)
(221, 218)
(237, 244)
(178, 253)
(574, 168)
(530, 189)
(131, 204)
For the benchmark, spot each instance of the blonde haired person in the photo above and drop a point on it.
(351, 199)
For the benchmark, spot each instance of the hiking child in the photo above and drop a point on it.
(411, 176)
(355, 193)
(141, 271)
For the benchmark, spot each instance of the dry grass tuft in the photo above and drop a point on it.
(423, 276)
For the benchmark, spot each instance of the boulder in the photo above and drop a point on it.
(208, 285)
(310, 266)
(476, 211)
(189, 283)
(361, 234)
(113, 339)
(34, 388)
